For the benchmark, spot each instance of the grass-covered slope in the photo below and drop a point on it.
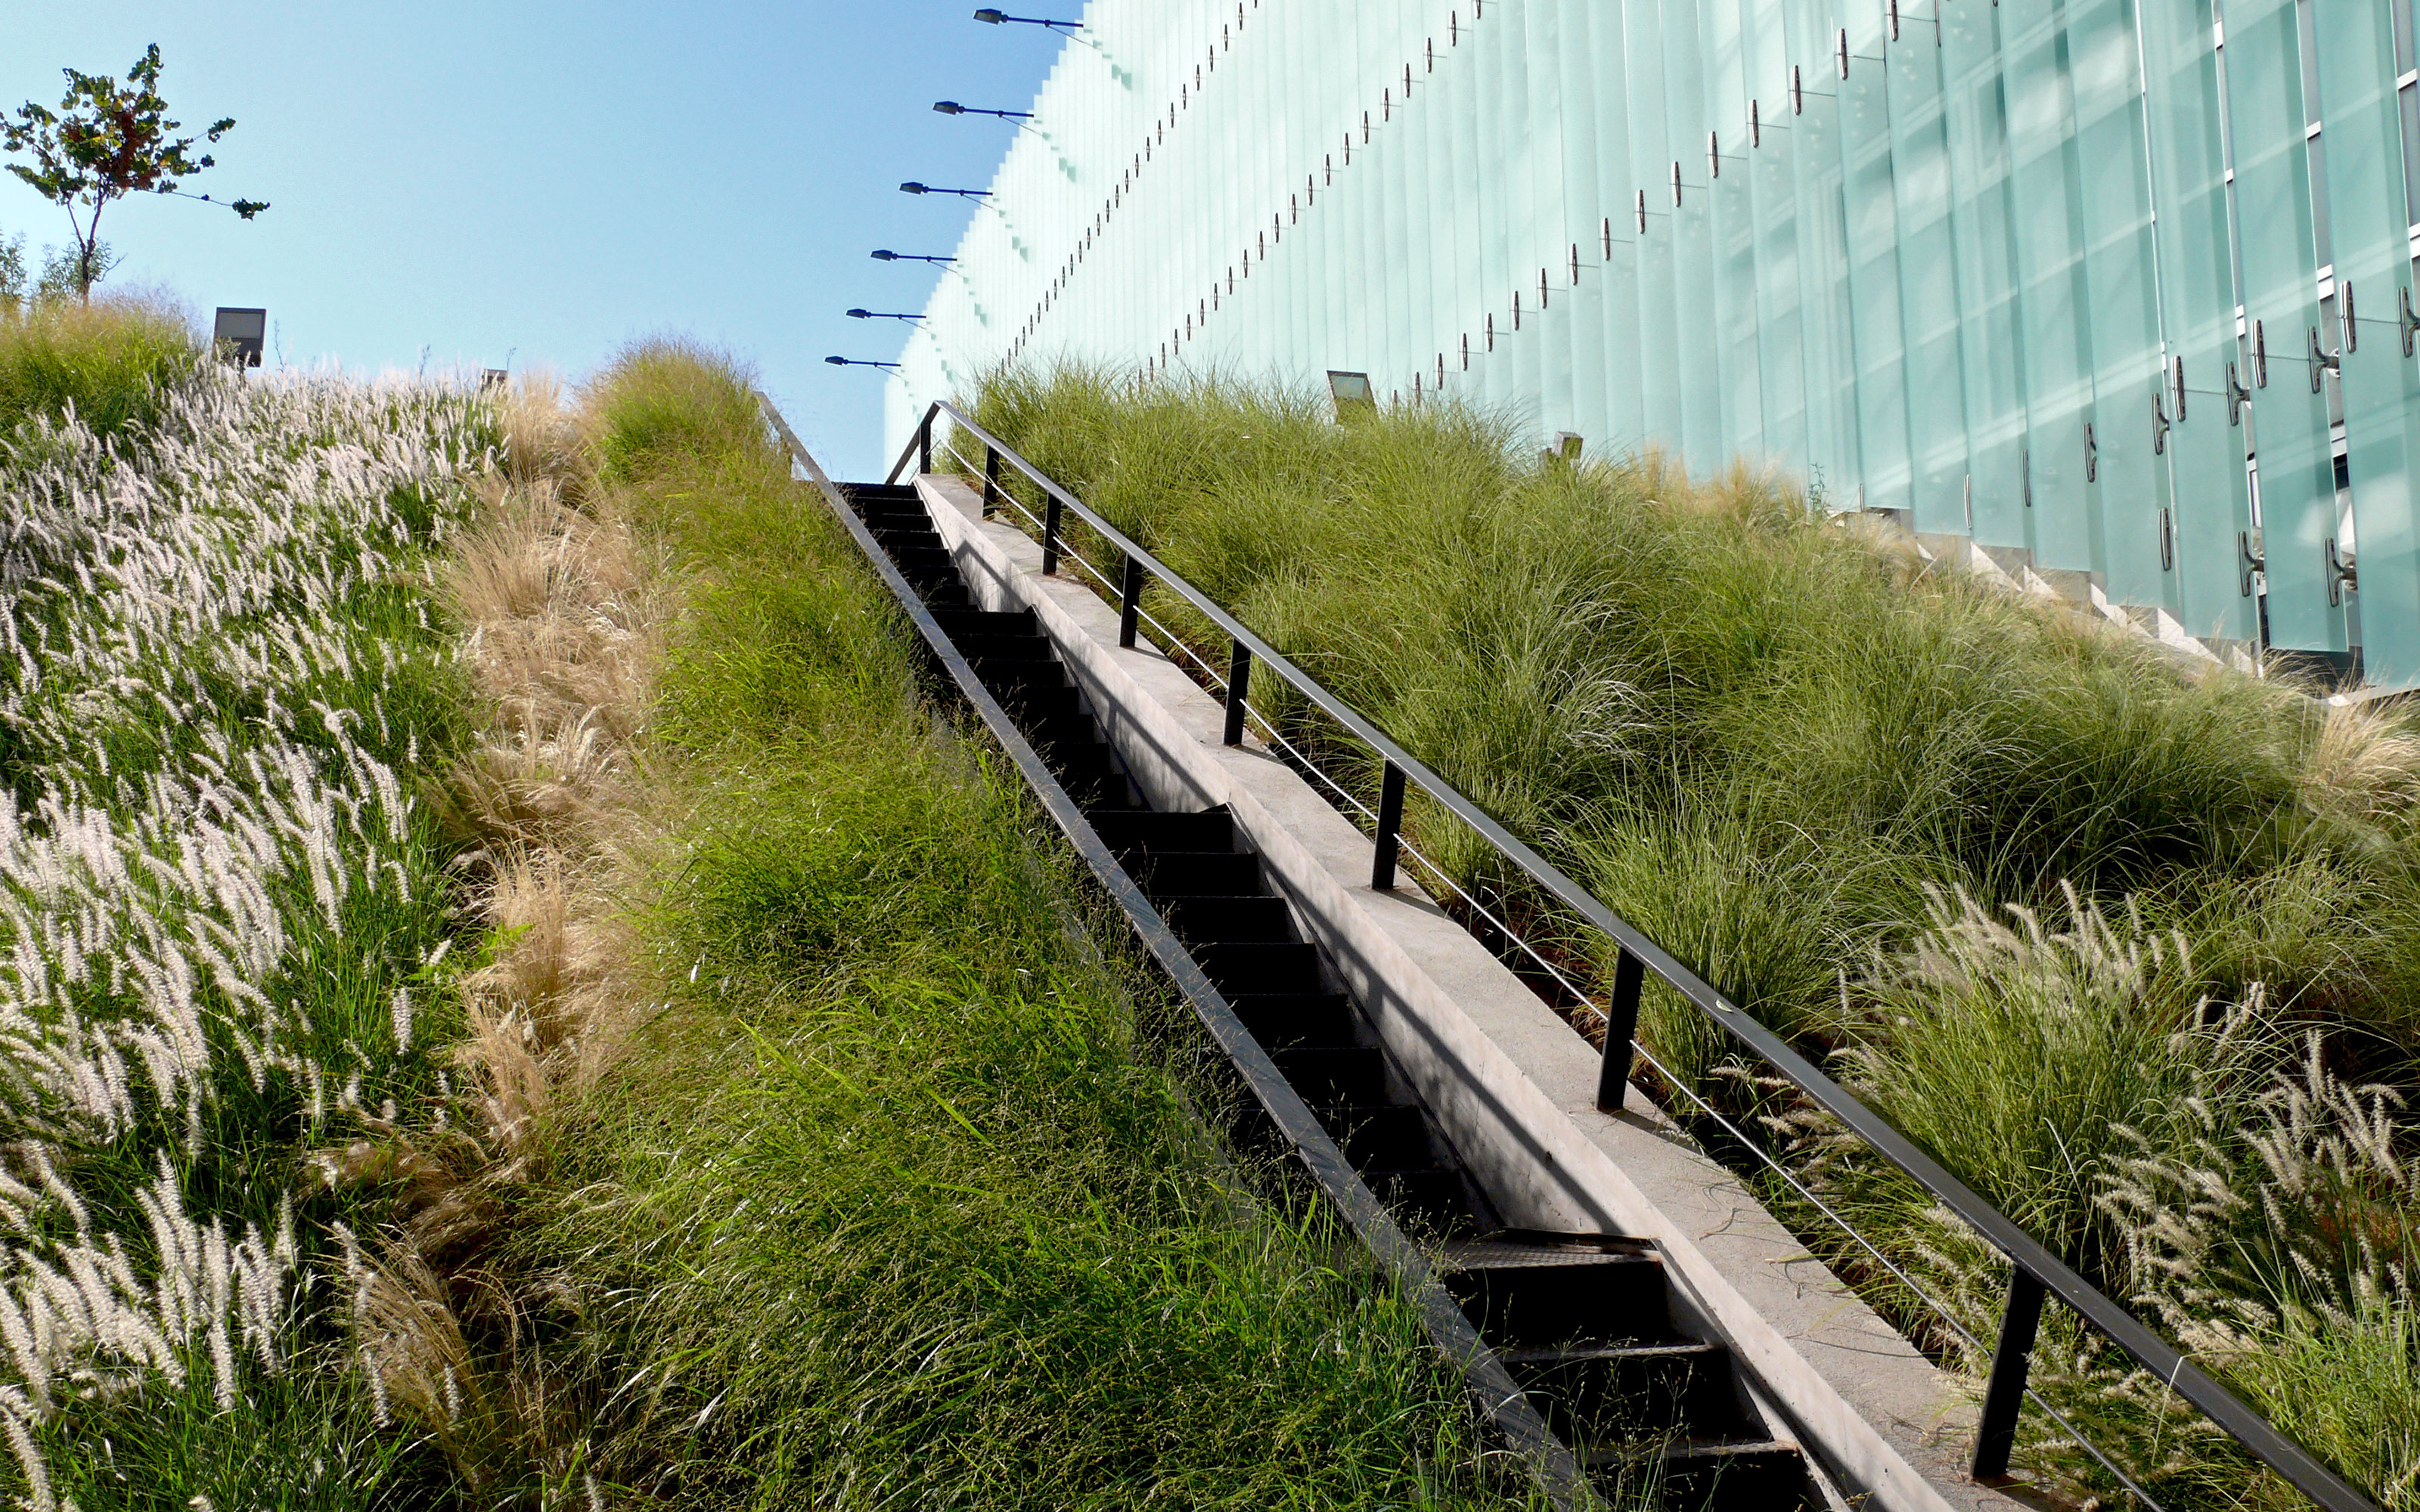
(881, 1197)
(2066, 905)
(222, 910)
(111, 363)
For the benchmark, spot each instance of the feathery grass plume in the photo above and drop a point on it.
(2278, 1243)
(560, 611)
(2019, 1050)
(890, 1116)
(1767, 734)
(216, 678)
(2364, 766)
(541, 442)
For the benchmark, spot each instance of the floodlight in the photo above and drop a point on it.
(999, 17)
(240, 335)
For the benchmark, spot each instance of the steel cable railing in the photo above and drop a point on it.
(2035, 1273)
(1345, 799)
(1548, 1460)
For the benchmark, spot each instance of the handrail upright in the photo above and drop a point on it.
(2034, 1270)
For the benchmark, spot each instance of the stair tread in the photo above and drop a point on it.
(1479, 1255)
(1523, 1288)
(990, 622)
(1216, 919)
(1212, 871)
(1682, 1447)
(1576, 1353)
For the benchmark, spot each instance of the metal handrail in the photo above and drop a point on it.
(1550, 1462)
(2034, 1270)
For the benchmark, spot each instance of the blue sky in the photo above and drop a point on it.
(546, 180)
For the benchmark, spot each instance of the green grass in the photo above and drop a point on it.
(243, 676)
(1773, 738)
(111, 362)
(900, 1205)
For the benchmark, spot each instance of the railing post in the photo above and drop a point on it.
(1050, 536)
(1997, 1435)
(1129, 601)
(924, 444)
(1620, 1029)
(1390, 828)
(991, 480)
(1239, 679)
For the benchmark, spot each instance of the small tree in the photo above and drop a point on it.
(107, 141)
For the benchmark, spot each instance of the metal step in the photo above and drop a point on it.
(1758, 1474)
(1225, 917)
(1260, 966)
(982, 649)
(1585, 1322)
(1608, 1394)
(1172, 873)
(1519, 1299)
(960, 623)
(1209, 830)
(1284, 1020)
(1336, 1076)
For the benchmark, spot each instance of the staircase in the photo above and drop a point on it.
(1585, 1322)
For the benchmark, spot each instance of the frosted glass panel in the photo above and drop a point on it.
(2273, 195)
(1930, 305)
(1984, 274)
(1884, 359)
(2047, 237)
(2368, 217)
(1989, 338)
(2112, 165)
(2212, 501)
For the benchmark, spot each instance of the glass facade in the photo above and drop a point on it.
(2117, 290)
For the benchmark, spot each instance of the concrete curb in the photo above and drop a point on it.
(1514, 1085)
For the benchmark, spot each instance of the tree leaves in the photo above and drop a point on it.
(105, 141)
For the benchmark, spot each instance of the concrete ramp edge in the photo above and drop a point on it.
(1514, 1085)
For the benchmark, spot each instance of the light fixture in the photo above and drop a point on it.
(912, 187)
(1351, 392)
(999, 17)
(239, 334)
(950, 107)
(884, 255)
(880, 315)
(856, 362)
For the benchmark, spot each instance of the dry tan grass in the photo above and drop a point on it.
(2363, 764)
(564, 609)
(1659, 476)
(544, 440)
(1901, 555)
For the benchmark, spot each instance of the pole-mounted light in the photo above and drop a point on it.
(1000, 18)
(884, 255)
(912, 187)
(950, 107)
(880, 315)
(856, 362)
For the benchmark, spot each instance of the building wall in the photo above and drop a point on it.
(1988, 266)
